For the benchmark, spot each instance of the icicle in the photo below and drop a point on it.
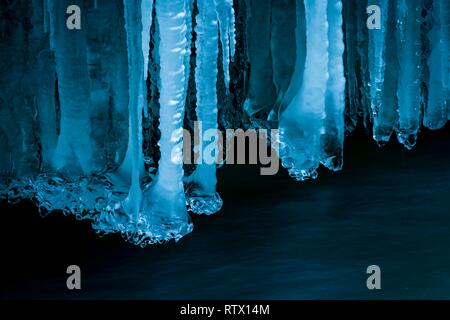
(133, 163)
(202, 188)
(377, 60)
(225, 17)
(333, 138)
(101, 23)
(165, 205)
(302, 124)
(382, 66)
(74, 146)
(362, 48)
(409, 84)
(437, 109)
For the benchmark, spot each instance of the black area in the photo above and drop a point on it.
(274, 239)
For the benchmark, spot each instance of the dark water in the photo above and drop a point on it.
(274, 238)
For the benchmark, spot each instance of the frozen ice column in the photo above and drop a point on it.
(302, 123)
(437, 110)
(333, 137)
(202, 196)
(165, 202)
(409, 48)
(383, 68)
(133, 163)
(74, 148)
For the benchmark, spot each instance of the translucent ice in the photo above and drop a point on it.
(92, 119)
(302, 123)
(202, 196)
(383, 64)
(333, 137)
(74, 149)
(410, 72)
(165, 202)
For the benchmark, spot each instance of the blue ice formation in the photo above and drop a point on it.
(91, 119)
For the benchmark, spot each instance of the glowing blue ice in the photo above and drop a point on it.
(302, 123)
(80, 110)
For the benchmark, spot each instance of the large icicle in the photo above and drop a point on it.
(302, 124)
(118, 85)
(165, 204)
(225, 17)
(377, 65)
(362, 49)
(437, 109)
(409, 84)
(133, 163)
(333, 138)
(105, 40)
(74, 148)
(382, 67)
(203, 198)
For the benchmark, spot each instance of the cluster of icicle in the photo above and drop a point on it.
(394, 78)
(91, 120)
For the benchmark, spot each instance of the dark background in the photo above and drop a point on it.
(274, 238)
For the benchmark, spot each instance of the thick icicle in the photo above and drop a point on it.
(409, 83)
(203, 198)
(377, 65)
(74, 148)
(72, 132)
(362, 49)
(437, 109)
(104, 37)
(165, 204)
(333, 137)
(302, 124)
(382, 66)
(133, 163)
